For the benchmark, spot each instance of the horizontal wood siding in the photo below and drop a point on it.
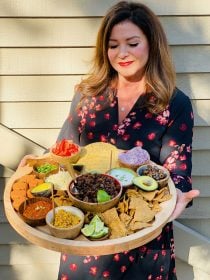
(66, 61)
(78, 8)
(74, 32)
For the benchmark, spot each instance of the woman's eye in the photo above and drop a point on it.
(133, 44)
(113, 47)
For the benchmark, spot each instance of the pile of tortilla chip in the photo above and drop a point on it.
(99, 156)
(136, 210)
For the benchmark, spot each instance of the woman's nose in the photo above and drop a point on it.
(123, 52)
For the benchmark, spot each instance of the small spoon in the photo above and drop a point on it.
(53, 205)
(74, 190)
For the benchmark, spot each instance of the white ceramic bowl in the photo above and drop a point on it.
(70, 232)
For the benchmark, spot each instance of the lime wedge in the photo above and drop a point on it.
(88, 230)
(103, 196)
(101, 233)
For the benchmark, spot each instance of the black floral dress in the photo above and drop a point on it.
(168, 138)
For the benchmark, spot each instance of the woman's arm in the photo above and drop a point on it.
(176, 152)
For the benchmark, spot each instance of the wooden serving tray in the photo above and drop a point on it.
(81, 246)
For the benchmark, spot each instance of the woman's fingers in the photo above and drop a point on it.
(24, 160)
(182, 200)
(191, 194)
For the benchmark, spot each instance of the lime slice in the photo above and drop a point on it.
(101, 233)
(102, 196)
(98, 224)
(88, 230)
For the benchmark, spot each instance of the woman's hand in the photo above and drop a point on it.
(24, 160)
(182, 200)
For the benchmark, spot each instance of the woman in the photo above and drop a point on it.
(130, 99)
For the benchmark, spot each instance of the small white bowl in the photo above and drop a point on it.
(70, 232)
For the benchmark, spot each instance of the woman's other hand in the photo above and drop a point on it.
(182, 200)
(24, 160)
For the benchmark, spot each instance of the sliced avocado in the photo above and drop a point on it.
(42, 189)
(146, 183)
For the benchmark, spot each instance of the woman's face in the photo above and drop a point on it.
(128, 50)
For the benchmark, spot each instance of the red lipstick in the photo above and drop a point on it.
(126, 63)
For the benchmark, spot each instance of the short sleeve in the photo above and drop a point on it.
(176, 151)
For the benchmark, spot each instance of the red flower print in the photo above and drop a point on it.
(64, 277)
(73, 267)
(163, 253)
(151, 136)
(126, 137)
(103, 138)
(161, 268)
(106, 274)
(183, 157)
(90, 135)
(107, 116)
(92, 123)
(64, 257)
(172, 143)
(101, 98)
(83, 122)
(139, 143)
(148, 116)
(93, 270)
(98, 107)
(183, 166)
(183, 127)
(143, 249)
(150, 277)
(131, 258)
(87, 259)
(114, 127)
(123, 268)
(96, 257)
(92, 116)
(137, 125)
(155, 257)
(116, 257)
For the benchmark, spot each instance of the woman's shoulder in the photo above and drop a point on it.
(179, 98)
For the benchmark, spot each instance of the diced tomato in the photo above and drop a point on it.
(65, 148)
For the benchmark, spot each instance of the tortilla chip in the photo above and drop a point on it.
(135, 225)
(118, 229)
(125, 218)
(112, 220)
(144, 214)
(110, 215)
(149, 196)
(136, 201)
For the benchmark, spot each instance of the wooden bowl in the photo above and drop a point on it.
(157, 172)
(94, 207)
(69, 232)
(42, 162)
(66, 159)
(34, 203)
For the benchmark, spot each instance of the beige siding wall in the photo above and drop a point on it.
(45, 47)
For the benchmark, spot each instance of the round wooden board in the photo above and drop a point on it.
(81, 246)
